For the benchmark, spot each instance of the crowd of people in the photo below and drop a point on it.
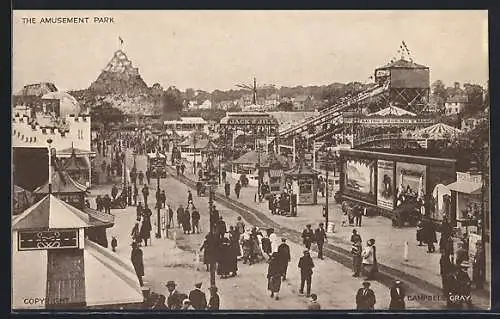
(252, 245)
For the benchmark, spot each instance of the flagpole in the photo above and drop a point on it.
(49, 141)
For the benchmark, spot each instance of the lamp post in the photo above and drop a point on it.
(158, 172)
(49, 142)
(328, 159)
(214, 218)
(258, 171)
(194, 154)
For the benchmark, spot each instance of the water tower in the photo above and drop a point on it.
(408, 83)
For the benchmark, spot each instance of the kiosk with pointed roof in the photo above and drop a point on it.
(307, 184)
(73, 193)
(55, 265)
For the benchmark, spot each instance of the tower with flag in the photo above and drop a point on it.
(408, 82)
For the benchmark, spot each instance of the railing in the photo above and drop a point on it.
(336, 108)
(379, 137)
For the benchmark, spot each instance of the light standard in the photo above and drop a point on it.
(214, 218)
(328, 160)
(258, 171)
(158, 172)
(49, 142)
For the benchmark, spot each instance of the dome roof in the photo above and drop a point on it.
(68, 104)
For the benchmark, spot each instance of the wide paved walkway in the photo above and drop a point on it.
(390, 240)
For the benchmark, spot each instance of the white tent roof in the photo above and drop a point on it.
(392, 110)
(51, 213)
(439, 130)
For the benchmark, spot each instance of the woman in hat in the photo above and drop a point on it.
(274, 272)
(397, 296)
(369, 254)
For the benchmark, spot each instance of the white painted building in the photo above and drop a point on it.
(206, 105)
(186, 125)
(456, 104)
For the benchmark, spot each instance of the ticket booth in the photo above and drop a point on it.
(307, 184)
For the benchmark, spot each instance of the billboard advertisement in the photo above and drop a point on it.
(360, 178)
(386, 186)
(410, 182)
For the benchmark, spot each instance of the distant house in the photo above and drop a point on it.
(456, 104)
(303, 103)
(186, 125)
(191, 105)
(472, 122)
(285, 99)
(206, 105)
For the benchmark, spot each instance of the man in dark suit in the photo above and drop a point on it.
(307, 236)
(320, 236)
(198, 298)
(397, 296)
(306, 266)
(365, 297)
(283, 257)
(175, 298)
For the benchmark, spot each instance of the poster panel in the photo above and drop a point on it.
(410, 183)
(386, 185)
(360, 178)
(439, 201)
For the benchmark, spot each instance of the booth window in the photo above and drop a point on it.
(305, 187)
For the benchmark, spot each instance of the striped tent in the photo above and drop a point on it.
(438, 131)
(86, 276)
(392, 111)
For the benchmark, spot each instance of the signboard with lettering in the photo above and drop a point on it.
(388, 121)
(275, 173)
(252, 121)
(44, 240)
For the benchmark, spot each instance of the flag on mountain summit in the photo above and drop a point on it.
(120, 39)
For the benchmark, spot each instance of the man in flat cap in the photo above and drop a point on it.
(306, 266)
(365, 297)
(175, 298)
(198, 297)
(320, 236)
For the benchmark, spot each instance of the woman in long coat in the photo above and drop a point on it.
(145, 232)
(274, 276)
(224, 258)
(186, 222)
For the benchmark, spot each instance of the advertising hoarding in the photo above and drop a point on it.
(386, 186)
(410, 181)
(360, 178)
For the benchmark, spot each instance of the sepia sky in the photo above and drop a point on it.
(219, 49)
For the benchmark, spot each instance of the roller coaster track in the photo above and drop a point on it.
(333, 112)
(387, 275)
